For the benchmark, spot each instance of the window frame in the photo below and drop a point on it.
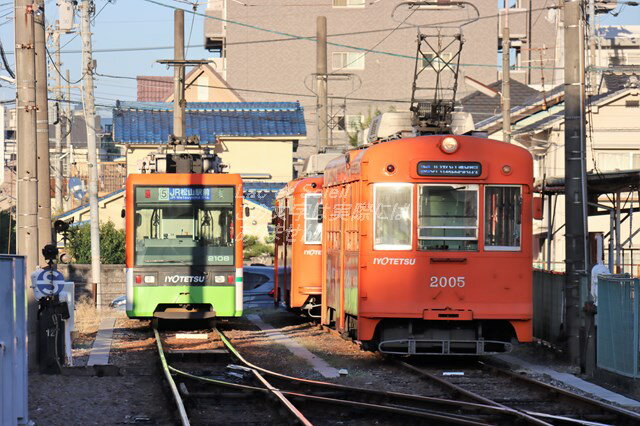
(393, 247)
(348, 64)
(484, 213)
(304, 217)
(477, 226)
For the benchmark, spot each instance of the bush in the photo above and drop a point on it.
(253, 247)
(112, 244)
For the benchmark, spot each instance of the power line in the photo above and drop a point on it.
(311, 38)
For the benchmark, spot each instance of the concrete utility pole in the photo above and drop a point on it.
(58, 126)
(90, 119)
(575, 175)
(592, 47)
(321, 83)
(27, 212)
(69, 114)
(42, 136)
(506, 83)
(179, 103)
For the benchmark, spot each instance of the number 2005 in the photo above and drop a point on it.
(451, 282)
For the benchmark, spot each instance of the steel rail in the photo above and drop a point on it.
(488, 407)
(291, 409)
(624, 414)
(182, 412)
(525, 416)
(283, 394)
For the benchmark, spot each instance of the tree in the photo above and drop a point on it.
(7, 227)
(253, 247)
(112, 244)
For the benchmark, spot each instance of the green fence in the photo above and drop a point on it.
(548, 305)
(617, 322)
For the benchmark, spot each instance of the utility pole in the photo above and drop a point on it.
(69, 113)
(27, 209)
(592, 47)
(575, 175)
(179, 103)
(506, 83)
(58, 122)
(42, 135)
(321, 83)
(89, 114)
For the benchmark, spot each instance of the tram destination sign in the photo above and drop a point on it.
(449, 168)
(207, 194)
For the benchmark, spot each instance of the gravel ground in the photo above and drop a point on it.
(134, 395)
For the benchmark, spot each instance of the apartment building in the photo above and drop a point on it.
(266, 51)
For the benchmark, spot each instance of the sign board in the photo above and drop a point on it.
(47, 282)
(181, 194)
(449, 168)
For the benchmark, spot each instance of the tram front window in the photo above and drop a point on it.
(184, 225)
(448, 217)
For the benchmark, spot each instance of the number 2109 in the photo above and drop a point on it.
(451, 282)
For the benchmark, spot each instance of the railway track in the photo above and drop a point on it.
(536, 402)
(219, 385)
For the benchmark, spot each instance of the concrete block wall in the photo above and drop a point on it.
(113, 281)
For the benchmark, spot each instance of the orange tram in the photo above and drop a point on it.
(299, 238)
(426, 246)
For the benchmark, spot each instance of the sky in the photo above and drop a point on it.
(126, 24)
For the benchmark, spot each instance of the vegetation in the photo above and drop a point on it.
(355, 137)
(7, 246)
(254, 247)
(112, 244)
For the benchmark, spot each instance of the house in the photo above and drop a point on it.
(612, 146)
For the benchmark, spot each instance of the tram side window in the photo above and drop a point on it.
(502, 218)
(393, 216)
(312, 227)
(448, 217)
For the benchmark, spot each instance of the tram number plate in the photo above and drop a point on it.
(444, 282)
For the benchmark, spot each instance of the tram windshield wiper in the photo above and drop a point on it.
(181, 262)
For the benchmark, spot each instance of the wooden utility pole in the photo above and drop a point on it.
(575, 174)
(321, 83)
(92, 148)
(27, 208)
(42, 135)
(506, 83)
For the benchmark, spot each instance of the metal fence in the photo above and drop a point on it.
(617, 322)
(548, 305)
(13, 341)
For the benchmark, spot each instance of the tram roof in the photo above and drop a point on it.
(152, 122)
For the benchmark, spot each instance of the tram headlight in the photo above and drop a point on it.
(449, 145)
(219, 279)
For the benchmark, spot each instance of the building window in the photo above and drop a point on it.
(348, 60)
(348, 3)
(350, 123)
(431, 61)
(618, 160)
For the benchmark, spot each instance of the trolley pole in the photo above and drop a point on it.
(179, 102)
(89, 114)
(58, 126)
(42, 132)
(506, 76)
(575, 175)
(27, 208)
(321, 83)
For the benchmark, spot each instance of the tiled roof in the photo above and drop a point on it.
(154, 88)
(263, 193)
(85, 206)
(152, 122)
(482, 106)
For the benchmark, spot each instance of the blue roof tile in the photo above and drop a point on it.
(152, 122)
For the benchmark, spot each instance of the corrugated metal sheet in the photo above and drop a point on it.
(548, 305)
(152, 123)
(617, 322)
